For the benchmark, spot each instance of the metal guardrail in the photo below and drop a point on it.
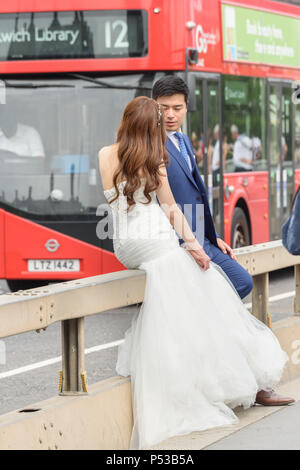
(261, 259)
(69, 302)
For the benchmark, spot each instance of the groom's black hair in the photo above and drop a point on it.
(170, 85)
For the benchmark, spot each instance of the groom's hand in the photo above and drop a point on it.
(198, 253)
(226, 248)
(199, 256)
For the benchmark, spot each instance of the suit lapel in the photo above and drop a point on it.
(181, 161)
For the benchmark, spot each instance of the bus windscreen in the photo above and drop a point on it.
(73, 35)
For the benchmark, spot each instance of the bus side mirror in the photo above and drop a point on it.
(192, 97)
(192, 55)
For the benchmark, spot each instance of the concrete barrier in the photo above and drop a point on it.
(103, 418)
(100, 420)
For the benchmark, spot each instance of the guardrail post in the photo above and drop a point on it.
(260, 298)
(73, 376)
(297, 290)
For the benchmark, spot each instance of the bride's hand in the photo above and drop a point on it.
(199, 255)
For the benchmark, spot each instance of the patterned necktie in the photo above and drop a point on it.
(183, 148)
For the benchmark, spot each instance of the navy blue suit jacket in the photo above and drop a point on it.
(189, 189)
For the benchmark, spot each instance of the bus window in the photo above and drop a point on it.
(196, 128)
(50, 135)
(15, 136)
(297, 136)
(281, 180)
(204, 135)
(244, 123)
(286, 151)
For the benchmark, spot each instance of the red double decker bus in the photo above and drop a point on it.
(67, 71)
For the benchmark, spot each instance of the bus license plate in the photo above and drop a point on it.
(53, 265)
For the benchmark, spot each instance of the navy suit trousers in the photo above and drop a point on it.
(239, 277)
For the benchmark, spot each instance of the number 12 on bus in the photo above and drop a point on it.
(68, 71)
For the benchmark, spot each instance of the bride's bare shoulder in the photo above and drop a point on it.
(107, 156)
(108, 161)
(108, 151)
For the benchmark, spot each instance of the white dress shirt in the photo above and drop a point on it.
(242, 149)
(216, 156)
(26, 142)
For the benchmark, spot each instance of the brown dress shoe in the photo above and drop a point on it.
(272, 399)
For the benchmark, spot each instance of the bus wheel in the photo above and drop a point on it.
(240, 233)
(24, 284)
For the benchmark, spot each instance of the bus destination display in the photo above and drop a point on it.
(73, 35)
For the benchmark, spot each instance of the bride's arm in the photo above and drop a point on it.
(178, 220)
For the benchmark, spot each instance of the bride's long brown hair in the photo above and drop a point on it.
(141, 138)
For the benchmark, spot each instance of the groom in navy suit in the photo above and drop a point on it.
(187, 186)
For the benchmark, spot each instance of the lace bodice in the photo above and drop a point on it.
(138, 196)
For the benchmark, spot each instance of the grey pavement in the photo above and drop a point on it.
(279, 431)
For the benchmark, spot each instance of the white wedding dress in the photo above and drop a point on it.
(193, 351)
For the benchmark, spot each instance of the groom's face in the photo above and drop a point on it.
(174, 109)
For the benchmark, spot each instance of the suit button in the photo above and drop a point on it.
(198, 198)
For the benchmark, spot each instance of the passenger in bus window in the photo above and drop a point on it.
(198, 148)
(284, 150)
(284, 147)
(256, 148)
(242, 150)
(16, 137)
(216, 154)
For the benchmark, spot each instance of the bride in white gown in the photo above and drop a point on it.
(193, 351)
